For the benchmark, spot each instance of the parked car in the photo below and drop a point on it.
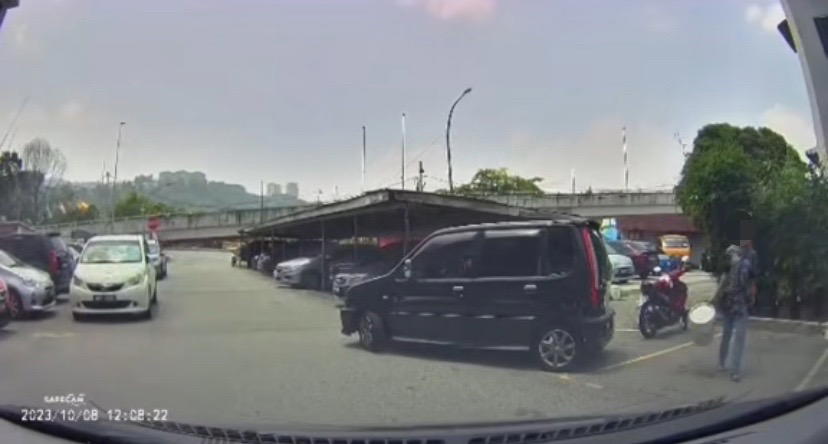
(540, 285)
(644, 255)
(46, 252)
(348, 277)
(675, 245)
(4, 313)
(622, 266)
(114, 276)
(157, 258)
(75, 249)
(29, 290)
(306, 272)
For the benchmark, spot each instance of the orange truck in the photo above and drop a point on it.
(675, 245)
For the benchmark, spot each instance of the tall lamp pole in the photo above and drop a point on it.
(115, 174)
(448, 138)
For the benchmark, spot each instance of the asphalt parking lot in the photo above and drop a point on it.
(231, 346)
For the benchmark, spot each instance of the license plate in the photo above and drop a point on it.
(103, 297)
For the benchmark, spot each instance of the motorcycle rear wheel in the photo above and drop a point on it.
(646, 320)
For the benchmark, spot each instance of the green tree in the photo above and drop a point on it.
(722, 177)
(499, 181)
(134, 204)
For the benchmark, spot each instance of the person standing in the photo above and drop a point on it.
(736, 296)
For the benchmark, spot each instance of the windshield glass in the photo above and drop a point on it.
(111, 252)
(467, 168)
(8, 260)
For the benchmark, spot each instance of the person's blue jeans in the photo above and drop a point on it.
(733, 343)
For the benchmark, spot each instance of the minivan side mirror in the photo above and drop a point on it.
(407, 268)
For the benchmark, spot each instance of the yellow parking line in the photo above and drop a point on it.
(652, 355)
(807, 379)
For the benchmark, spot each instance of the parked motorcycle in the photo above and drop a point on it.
(663, 301)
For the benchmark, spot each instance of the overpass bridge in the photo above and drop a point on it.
(226, 224)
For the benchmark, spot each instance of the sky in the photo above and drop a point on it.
(278, 90)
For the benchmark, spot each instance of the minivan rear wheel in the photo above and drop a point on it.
(557, 349)
(371, 330)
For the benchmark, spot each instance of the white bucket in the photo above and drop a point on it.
(702, 319)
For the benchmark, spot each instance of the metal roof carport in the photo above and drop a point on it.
(409, 214)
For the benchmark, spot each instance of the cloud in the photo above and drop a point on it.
(596, 155)
(461, 10)
(71, 110)
(766, 17)
(20, 36)
(797, 129)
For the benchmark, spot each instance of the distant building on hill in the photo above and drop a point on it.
(292, 189)
(274, 189)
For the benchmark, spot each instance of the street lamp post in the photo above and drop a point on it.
(448, 138)
(115, 176)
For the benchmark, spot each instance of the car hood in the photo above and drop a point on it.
(619, 260)
(30, 273)
(107, 273)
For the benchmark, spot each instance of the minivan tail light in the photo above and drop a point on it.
(592, 266)
(54, 262)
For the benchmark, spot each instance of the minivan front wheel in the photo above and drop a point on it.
(557, 349)
(371, 330)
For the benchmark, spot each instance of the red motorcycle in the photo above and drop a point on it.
(663, 302)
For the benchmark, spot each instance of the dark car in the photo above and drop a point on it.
(540, 285)
(643, 254)
(46, 252)
(5, 317)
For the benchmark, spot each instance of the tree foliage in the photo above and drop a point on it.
(737, 174)
(134, 204)
(499, 181)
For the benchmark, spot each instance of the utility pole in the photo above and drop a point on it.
(626, 166)
(402, 163)
(363, 157)
(261, 201)
(572, 179)
(115, 175)
(448, 138)
(420, 183)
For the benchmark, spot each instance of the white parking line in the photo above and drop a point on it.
(652, 355)
(807, 379)
(52, 335)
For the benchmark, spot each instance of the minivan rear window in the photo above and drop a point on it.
(57, 243)
(510, 253)
(604, 267)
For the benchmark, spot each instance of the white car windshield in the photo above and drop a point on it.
(112, 252)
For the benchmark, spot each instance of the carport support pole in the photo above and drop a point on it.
(407, 231)
(322, 263)
(354, 240)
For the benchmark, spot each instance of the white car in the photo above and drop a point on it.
(114, 275)
(622, 268)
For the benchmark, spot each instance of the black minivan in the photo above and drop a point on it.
(47, 252)
(535, 284)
